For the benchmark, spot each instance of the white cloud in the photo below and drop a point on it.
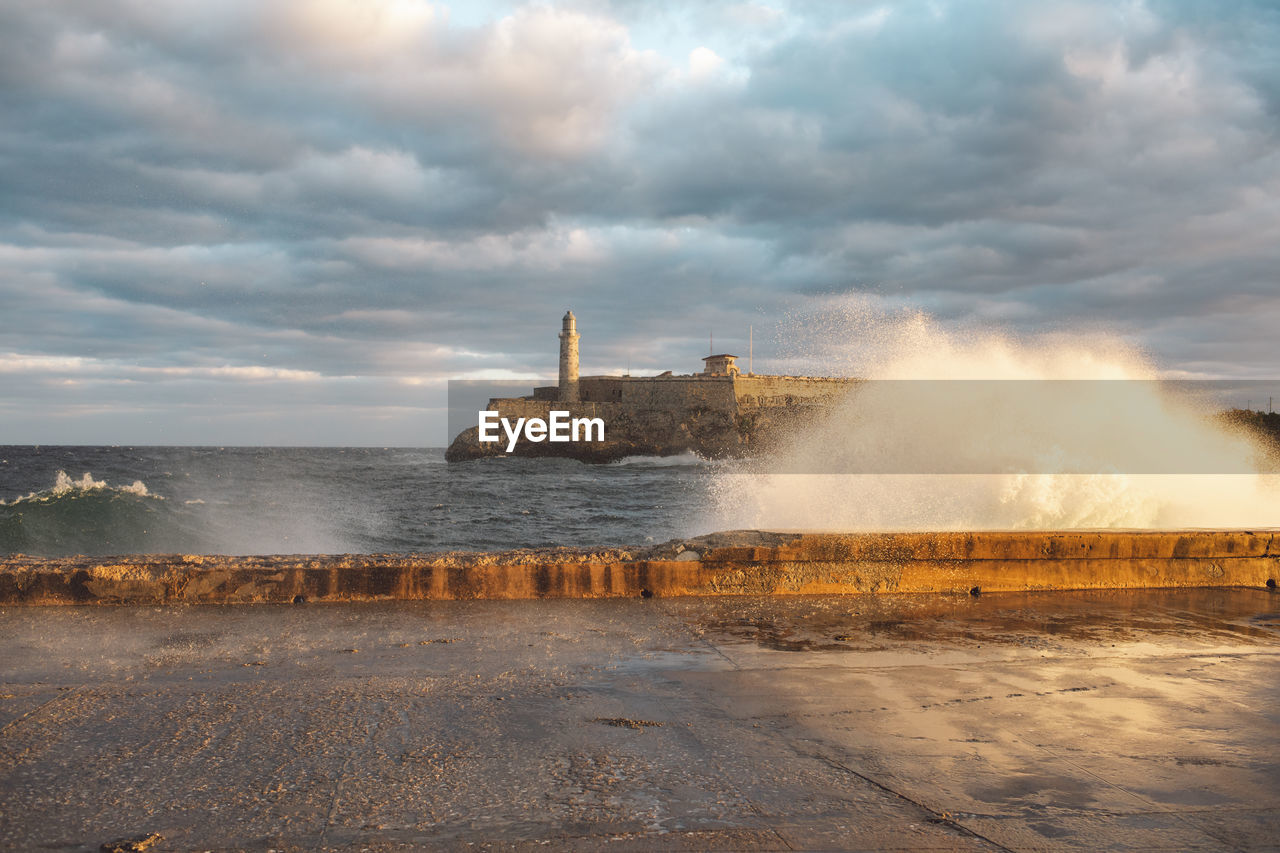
(754, 15)
(543, 249)
(75, 368)
(548, 81)
(704, 62)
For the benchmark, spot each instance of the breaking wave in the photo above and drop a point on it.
(85, 515)
(259, 500)
(688, 459)
(1042, 466)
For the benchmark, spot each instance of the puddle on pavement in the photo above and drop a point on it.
(1025, 620)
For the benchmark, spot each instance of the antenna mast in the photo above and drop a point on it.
(751, 347)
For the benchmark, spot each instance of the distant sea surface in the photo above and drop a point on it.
(59, 500)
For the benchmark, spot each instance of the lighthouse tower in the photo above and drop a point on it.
(569, 359)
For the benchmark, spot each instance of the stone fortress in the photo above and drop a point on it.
(717, 412)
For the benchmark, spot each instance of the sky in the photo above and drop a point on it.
(252, 222)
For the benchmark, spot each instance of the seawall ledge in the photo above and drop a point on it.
(742, 562)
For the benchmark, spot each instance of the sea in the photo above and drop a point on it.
(63, 500)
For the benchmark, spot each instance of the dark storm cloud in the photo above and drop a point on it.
(359, 201)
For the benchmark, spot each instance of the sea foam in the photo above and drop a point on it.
(64, 485)
(1017, 468)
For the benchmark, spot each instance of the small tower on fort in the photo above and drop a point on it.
(720, 365)
(569, 359)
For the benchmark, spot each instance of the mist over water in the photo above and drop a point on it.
(971, 430)
(58, 501)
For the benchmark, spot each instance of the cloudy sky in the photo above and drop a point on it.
(251, 222)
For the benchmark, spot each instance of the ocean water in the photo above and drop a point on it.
(57, 501)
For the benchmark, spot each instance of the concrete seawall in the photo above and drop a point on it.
(734, 563)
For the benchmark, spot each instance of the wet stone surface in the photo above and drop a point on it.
(1056, 721)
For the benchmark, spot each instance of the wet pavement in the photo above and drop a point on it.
(1053, 721)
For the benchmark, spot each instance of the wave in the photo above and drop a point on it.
(814, 480)
(86, 516)
(63, 485)
(688, 459)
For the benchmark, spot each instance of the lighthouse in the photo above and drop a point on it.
(569, 359)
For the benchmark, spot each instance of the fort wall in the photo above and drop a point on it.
(754, 391)
(727, 393)
(528, 407)
(719, 412)
(665, 392)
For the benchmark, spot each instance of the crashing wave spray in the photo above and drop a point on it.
(1015, 449)
(86, 516)
(66, 486)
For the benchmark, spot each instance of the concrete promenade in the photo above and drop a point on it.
(1102, 720)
